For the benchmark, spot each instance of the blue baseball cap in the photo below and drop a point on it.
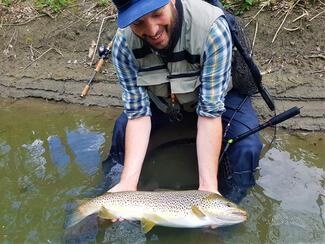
(131, 10)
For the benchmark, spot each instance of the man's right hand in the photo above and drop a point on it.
(123, 187)
(119, 187)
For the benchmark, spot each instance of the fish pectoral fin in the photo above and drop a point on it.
(197, 212)
(147, 225)
(105, 214)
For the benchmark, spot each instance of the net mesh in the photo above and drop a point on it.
(242, 78)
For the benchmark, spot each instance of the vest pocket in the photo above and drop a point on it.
(185, 88)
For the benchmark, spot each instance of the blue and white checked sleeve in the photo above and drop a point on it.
(135, 98)
(216, 72)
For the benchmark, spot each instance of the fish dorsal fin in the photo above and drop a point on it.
(147, 225)
(105, 214)
(197, 211)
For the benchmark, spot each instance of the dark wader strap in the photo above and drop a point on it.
(173, 110)
(163, 107)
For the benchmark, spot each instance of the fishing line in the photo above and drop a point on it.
(233, 115)
(274, 133)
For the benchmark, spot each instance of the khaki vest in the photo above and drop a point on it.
(183, 71)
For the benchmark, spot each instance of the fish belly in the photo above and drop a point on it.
(184, 222)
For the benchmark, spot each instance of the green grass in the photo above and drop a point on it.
(240, 6)
(6, 2)
(103, 2)
(55, 5)
(245, 5)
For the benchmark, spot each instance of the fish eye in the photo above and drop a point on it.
(228, 204)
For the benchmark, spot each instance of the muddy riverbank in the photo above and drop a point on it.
(46, 57)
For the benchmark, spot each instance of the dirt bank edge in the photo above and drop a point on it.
(286, 90)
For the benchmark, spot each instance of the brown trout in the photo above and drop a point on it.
(185, 209)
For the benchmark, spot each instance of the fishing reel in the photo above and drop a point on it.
(104, 51)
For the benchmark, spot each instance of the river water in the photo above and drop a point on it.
(51, 154)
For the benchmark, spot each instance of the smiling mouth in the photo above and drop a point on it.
(156, 37)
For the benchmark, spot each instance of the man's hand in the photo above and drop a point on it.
(122, 187)
(211, 190)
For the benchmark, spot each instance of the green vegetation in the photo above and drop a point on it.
(58, 5)
(239, 6)
(102, 2)
(55, 5)
(6, 2)
(243, 5)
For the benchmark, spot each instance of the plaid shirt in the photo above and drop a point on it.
(215, 75)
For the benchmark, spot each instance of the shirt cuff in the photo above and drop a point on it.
(211, 111)
(146, 111)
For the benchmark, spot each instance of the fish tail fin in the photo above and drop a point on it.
(74, 218)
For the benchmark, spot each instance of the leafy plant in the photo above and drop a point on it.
(102, 2)
(239, 6)
(245, 5)
(55, 5)
(6, 2)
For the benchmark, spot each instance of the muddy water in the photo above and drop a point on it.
(50, 156)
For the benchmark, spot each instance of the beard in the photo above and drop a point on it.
(171, 31)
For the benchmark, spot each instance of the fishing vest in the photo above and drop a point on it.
(179, 74)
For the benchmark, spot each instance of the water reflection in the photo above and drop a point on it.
(297, 188)
(86, 146)
(49, 157)
(34, 159)
(4, 151)
(58, 153)
(295, 185)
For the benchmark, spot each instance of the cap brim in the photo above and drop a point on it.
(137, 10)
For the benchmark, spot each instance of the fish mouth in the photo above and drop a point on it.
(235, 216)
(240, 213)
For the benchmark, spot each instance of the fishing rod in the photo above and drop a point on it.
(273, 121)
(104, 52)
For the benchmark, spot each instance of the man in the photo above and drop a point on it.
(175, 55)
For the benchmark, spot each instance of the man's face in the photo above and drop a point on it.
(156, 27)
